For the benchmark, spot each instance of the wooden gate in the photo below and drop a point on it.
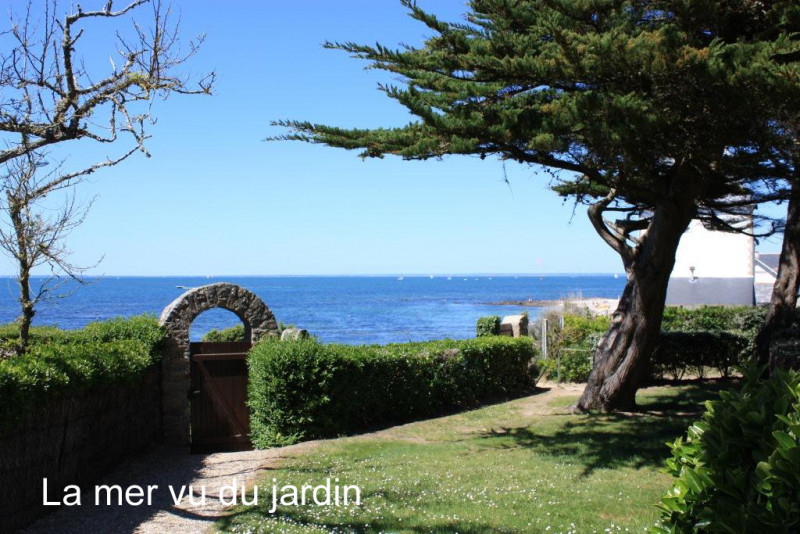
(220, 420)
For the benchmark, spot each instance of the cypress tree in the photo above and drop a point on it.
(650, 113)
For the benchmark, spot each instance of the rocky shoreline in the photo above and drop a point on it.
(595, 306)
(528, 302)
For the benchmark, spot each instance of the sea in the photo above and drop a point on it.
(336, 309)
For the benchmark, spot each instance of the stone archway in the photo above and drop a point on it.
(177, 320)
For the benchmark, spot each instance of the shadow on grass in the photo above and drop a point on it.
(689, 399)
(600, 441)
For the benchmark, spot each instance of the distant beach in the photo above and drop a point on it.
(597, 306)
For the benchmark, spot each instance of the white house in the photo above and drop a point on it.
(713, 267)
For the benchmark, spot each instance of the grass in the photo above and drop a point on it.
(521, 466)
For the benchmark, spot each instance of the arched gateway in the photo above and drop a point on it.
(177, 320)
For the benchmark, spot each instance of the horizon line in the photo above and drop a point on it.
(337, 275)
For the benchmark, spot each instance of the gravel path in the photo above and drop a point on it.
(166, 467)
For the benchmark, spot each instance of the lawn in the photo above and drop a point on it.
(520, 466)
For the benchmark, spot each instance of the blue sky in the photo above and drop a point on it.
(216, 199)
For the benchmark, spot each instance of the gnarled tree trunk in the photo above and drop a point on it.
(783, 304)
(623, 354)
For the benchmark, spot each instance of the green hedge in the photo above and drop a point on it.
(680, 353)
(745, 319)
(692, 341)
(738, 468)
(61, 362)
(488, 326)
(306, 390)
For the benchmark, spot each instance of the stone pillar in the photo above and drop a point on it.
(517, 325)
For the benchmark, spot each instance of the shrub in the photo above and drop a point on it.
(785, 347)
(307, 390)
(488, 326)
(573, 346)
(569, 366)
(234, 333)
(679, 353)
(738, 468)
(60, 362)
(746, 319)
(692, 341)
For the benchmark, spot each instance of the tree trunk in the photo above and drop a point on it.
(26, 318)
(623, 354)
(783, 304)
(26, 303)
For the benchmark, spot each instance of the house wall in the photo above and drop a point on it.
(713, 254)
(723, 269)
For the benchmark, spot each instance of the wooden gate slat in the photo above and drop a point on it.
(220, 399)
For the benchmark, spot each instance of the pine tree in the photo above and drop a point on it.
(653, 113)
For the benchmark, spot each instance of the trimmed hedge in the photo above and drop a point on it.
(738, 468)
(714, 318)
(692, 341)
(60, 362)
(488, 326)
(303, 389)
(679, 353)
(720, 338)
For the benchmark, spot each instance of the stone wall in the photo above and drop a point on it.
(75, 440)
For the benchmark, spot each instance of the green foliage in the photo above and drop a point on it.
(307, 390)
(617, 93)
(692, 341)
(573, 346)
(738, 468)
(744, 319)
(61, 362)
(488, 326)
(581, 330)
(234, 333)
(680, 353)
(569, 365)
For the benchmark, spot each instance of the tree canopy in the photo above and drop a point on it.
(624, 94)
(651, 112)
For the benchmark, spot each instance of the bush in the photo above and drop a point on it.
(738, 468)
(679, 353)
(692, 341)
(234, 333)
(569, 366)
(745, 319)
(61, 362)
(307, 390)
(488, 326)
(573, 345)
